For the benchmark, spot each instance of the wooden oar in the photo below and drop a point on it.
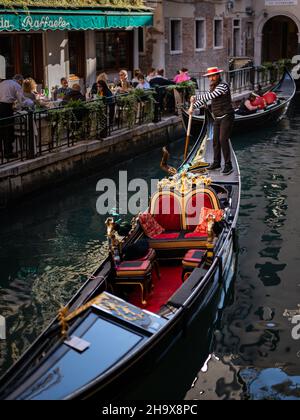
(188, 133)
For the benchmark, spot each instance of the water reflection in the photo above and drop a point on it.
(270, 384)
(256, 335)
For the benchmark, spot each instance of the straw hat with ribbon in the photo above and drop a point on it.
(212, 71)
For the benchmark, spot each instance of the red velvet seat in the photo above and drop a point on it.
(133, 268)
(176, 241)
(193, 259)
(179, 215)
(135, 273)
(151, 256)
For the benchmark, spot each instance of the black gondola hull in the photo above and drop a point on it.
(123, 349)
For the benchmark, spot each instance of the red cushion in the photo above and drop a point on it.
(205, 212)
(195, 235)
(193, 209)
(134, 266)
(150, 225)
(166, 236)
(194, 255)
(260, 102)
(167, 212)
(270, 97)
(150, 256)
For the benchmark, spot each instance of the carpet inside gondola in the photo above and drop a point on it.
(164, 288)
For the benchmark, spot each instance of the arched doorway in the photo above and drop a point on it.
(280, 39)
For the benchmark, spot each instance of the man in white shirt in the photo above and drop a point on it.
(10, 92)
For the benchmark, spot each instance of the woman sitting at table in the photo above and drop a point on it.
(143, 84)
(29, 89)
(103, 90)
(101, 76)
(124, 86)
(105, 93)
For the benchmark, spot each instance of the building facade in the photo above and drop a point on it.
(198, 34)
(193, 34)
(270, 29)
(79, 39)
(77, 42)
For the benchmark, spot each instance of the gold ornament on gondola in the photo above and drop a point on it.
(184, 182)
(164, 163)
(62, 318)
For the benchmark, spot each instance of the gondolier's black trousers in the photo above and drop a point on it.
(222, 132)
(6, 128)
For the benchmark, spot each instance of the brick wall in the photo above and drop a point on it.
(195, 61)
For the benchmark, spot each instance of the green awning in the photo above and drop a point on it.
(68, 19)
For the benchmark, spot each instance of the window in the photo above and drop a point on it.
(114, 50)
(141, 40)
(236, 38)
(7, 51)
(249, 40)
(200, 34)
(249, 30)
(77, 53)
(176, 36)
(23, 54)
(218, 33)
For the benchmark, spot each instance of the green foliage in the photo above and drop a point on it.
(128, 4)
(268, 65)
(285, 63)
(97, 117)
(83, 120)
(276, 68)
(59, 121)
(189, 87)
(135, 102)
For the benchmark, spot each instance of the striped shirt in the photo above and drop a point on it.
(221, 89)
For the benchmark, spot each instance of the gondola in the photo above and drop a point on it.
(116, 329)
(285, 91)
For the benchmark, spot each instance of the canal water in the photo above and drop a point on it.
(50, 244)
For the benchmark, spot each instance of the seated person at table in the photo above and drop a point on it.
(164, 97)
(103, 90)
(151, 74)
(160, 79)
(74, 94)
(64, 89)
(135, 81)
(101, 76)
(29, 89)
(183, 76)
(247, 107)
(143, 84)
(124, 86)
(106, 93)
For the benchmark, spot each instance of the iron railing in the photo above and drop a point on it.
(249, 78)
(29, 134)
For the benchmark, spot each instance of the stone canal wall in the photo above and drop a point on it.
(22, 178)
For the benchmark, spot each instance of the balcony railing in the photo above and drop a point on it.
(28, 134)
(249, 78)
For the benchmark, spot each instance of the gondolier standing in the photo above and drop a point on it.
(223, 114)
